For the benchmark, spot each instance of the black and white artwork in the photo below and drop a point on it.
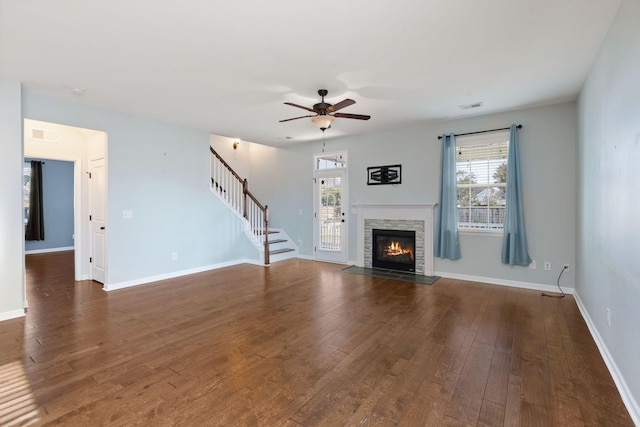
(378, 175)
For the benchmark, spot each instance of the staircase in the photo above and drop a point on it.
(280, 246)
(229, 187)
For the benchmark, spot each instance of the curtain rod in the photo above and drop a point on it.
(481, 131)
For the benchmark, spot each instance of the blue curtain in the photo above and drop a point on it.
(514, 241)
(447, 244)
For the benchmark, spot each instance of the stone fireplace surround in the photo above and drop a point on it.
(415, 217)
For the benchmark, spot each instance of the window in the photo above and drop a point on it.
(331, 161)
(26, 189)
(481, 173)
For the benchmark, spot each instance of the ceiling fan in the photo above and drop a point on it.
(325, 112)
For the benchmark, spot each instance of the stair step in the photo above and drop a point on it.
(270, 232)
(271, 242)
(281, 251)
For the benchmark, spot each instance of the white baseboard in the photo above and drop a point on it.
(44, 251)
(625, 393)
(502, 282)
(13, 314)
(121, 285)
(251, 261)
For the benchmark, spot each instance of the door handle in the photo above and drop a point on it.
(101, 228)
(343, 220)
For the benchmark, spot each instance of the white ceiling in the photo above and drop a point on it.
(228, 66)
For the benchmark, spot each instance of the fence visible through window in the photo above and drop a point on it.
(481, 217)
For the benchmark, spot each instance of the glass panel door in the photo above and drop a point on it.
(330, 215)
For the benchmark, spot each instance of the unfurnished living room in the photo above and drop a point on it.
(332, 214)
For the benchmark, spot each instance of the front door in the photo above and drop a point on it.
(98, 223)
(330, 215)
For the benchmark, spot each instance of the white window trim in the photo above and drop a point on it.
(344, 154)
(482, 139)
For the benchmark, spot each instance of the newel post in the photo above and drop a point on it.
(266, 235)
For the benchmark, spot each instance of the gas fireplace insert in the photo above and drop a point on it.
(393, 249)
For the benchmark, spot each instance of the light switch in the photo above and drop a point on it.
(126, 214)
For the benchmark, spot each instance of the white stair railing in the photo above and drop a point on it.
(234, 190)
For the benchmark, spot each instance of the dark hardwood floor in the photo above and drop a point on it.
(297, 344)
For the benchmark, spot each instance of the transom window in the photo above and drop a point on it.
(330, 161)
(481, 174)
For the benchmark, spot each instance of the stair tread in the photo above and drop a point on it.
(277, 241)
(280, 251)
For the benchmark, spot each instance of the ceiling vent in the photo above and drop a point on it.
(44, 135)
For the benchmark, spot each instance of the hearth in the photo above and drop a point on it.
(393, 249)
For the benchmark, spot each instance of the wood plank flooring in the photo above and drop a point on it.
(297, 344)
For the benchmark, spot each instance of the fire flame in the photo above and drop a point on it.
(395, 249)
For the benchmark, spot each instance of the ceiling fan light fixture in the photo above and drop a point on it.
(323, 121)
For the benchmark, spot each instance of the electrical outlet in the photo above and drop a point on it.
(547, 266)
(566, 267)
(174, 256)
(533, 265)
(608, 317)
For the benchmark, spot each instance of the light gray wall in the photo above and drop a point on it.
(11, 222)
(57, 195)
(547, 142)
(161, 173)
(608, 234)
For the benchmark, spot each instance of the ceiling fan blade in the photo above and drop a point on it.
(296, 118)
(352, 116)
(300, 106)
(340, 105)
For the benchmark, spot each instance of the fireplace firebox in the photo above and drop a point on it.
(393, 249)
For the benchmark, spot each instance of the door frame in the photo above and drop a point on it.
(344, 252)
(79, 145)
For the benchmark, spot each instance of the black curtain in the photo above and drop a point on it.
(35, 223)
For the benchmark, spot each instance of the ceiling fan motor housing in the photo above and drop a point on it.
(321, 108)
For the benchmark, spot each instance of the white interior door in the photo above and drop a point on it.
(330, 216)
(98, 222)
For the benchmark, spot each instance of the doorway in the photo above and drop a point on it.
(330, 207)
(45, 140)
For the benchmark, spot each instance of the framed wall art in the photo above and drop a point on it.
(379, 175)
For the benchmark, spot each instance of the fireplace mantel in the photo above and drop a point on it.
(407, 212)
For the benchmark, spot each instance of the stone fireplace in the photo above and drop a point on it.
(417, 219)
